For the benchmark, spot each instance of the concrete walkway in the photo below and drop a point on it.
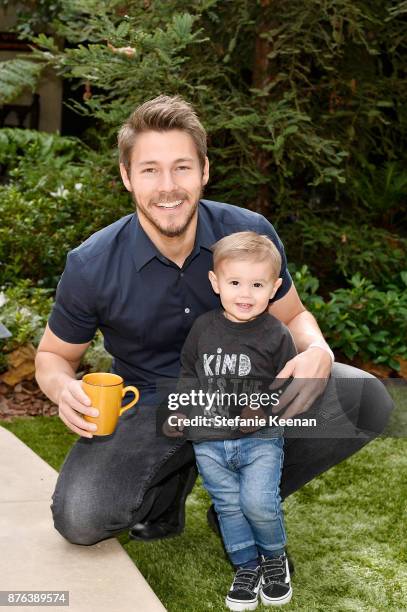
(35, 557)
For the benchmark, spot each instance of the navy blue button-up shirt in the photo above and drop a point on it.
(143, 303)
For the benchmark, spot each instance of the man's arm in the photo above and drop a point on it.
(56, 363)
(310, 363)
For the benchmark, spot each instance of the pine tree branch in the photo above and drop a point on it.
(17, 75)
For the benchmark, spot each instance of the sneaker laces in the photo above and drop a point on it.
(245, 579)
(274, 569)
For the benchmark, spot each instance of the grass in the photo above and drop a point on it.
(346, 531)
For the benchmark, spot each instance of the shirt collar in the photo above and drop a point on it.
(144, 250)
(205, 236)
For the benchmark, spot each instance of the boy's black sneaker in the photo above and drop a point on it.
(244, 592)
(275, 581)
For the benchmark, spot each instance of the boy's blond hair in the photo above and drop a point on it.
(162, 114)
(247, 246)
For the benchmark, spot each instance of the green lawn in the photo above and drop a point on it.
(346, 531)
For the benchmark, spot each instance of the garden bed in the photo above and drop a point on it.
(25, 399)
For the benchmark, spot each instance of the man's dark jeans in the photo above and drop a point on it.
(108, 484)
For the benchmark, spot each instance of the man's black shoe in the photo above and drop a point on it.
(155, 530)
(171, 522)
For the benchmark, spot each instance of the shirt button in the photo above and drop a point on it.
(187, 310)
(181, 274)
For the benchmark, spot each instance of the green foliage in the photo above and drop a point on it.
(33, 15)
(383, 193)
(291, 94)
(360, 320)
(24, 311)
(58, 193)
(296, 97)
(346, 249)
(304, 104)
(17, 144)
(307, 287)
(96, 358)
(16, 75)
(369, 323)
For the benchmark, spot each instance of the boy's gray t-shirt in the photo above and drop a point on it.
(223, 358)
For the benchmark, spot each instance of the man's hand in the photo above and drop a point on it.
(251, 413)
(56, 363)
(174, 431)
(310, 371)
(73, 402)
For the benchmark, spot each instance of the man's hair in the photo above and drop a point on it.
(247, 246)
(162, 114)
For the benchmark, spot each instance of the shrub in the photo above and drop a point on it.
(24, 310)
(57, 194)
(18, 144)
(382, 193)
(290, 92)
(96, 358)
(372, 324)
(298, 98)
(336, 251)
(360, 320)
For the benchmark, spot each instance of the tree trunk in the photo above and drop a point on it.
(261, 78)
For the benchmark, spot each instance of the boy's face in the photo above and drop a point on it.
(245, 287)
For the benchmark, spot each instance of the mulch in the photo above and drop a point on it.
(25, 399)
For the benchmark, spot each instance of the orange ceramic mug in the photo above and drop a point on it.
(106, 393)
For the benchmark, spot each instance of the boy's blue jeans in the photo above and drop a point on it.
(243, 478)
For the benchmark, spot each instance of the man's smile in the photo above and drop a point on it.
(170, 205)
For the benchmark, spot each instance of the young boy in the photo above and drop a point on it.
(234, 346)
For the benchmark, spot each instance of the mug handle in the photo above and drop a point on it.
(134, 401)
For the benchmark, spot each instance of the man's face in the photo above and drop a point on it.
(245, 287)
(166, 180)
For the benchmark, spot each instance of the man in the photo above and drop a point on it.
(143, 281)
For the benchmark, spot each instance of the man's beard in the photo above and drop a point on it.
(170, 231)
